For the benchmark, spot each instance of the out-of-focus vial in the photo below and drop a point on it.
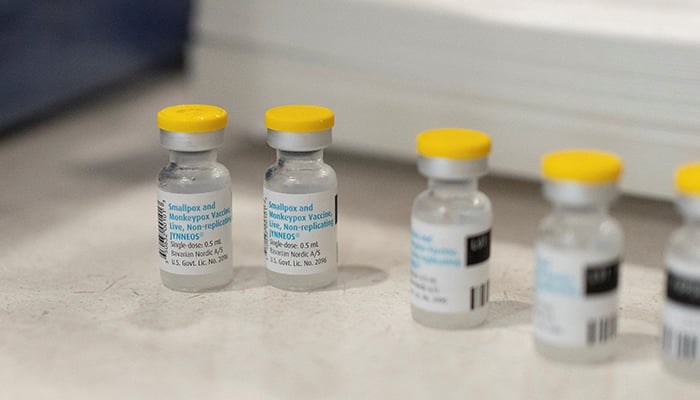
(578, 255)
(194, 200)
(680, 333)
(300, 199)
(451, 231)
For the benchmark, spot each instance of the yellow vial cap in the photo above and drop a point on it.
(299, 118)
(192, 118)
(584, 166)
(454, 143)
(688, 179)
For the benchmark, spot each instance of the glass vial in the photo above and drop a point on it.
(194, 200)
(451, 231)
(578, 254)
(680, 333)
(300, 200)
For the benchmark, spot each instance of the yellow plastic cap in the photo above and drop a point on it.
(454, 143)
(585, 166)
(192, 118)
(688, 179)
(299, 118)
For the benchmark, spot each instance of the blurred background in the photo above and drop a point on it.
(57, 53)
(82, 307)
(620, 75)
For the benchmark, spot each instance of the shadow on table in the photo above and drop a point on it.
(349, 277)
(505, 313)
(634, 347)
(356, 276)
(247, 277)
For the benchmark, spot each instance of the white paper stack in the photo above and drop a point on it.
(537, 76)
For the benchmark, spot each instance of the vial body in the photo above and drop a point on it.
(578, 256)
(197, 180)
(300, 218)
(449, 286)
(680, 331)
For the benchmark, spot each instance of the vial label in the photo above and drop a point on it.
(194, 232)
(449, 267)
(680, 335)
(300, 234)
(575, 297)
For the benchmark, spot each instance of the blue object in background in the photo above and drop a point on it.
(56, 51)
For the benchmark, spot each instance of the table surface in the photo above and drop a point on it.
(84, 314)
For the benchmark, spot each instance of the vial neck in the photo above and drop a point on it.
(691, 219)
(451, 188)
(299, 157)
(582, 210)
(689, 207)
(192, 157)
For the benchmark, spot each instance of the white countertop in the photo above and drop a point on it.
(84, 315)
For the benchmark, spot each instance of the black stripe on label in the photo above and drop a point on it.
(336, 209)
(683, 290)
(602, 278)
(478, 248)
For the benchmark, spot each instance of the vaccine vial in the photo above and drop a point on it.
(451, 231)
(194, 200)
(680, 333)
(300, 200)
(578, 254)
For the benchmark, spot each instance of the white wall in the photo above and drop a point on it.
(391, 70)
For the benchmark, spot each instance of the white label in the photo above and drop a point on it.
(449, 267)
(300, 232)
(194, 232)
(575, 297)
(680, 336)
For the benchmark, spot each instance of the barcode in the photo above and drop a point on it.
(479, 296)
(601, 330)
(681, 345)
(162, 231)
